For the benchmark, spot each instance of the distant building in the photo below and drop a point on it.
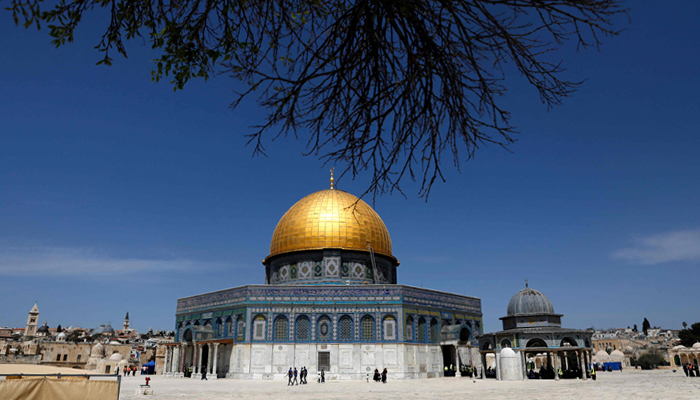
(32, 321)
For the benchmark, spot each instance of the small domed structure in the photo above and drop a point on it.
(529, 301)
(696, 345)
(629, 349)
(43, 330)
(61, 337)
(617, 356)
(510, 365)
(116, 357)
(98, 351)
(601, 357)
(679, 347)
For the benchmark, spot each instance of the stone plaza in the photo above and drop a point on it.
(629, 384)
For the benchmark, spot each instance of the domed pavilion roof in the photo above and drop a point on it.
(43, 329)
(617, 356)
(529, 301)
(696, 345)
(330, 218)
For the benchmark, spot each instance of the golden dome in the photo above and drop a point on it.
(330, 219)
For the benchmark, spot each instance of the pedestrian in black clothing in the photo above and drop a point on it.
(384, 376)
(377, 377)
(290, 374)
(323, 376)
(204, 375)
(685, 369)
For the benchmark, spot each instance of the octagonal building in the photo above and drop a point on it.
(330, 302)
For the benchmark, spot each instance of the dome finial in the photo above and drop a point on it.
(332, 169)
(526, 283)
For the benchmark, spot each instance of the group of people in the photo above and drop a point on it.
(691, 370)
(129, 370)
(301, 374)
(380, 377)
(547, 372)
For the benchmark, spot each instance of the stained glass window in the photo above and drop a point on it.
(259, 328)
(219, 327)
(421, 330)
(389, 328)
(346, 329)
(302, 330)
(324, 328)
(433, 331)
(367, 328)
(409, 329)
(240, 328)
(280, 331)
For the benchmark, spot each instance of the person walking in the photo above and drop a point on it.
(323, 376)
(204, 375)
(384, 376)
(593, 373)
(305, 372)
(376, 377)
(290, 374)
(295, 377)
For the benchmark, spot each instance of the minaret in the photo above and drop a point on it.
(32, 321)
(126, 322)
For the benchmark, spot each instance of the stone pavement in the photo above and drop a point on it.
(629, 384)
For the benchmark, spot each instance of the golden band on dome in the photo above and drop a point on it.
(330, 218)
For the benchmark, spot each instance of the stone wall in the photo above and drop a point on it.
(20, 359)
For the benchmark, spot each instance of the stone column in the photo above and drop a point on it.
(216, 359)
(166, 364)
(498, 365)
(523, 361)
(182, 357)
(458, 370)
(196, 358)
(483, 366)
(556, 366)
(582, 357)
(209, 358)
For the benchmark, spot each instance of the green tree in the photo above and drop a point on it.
(651, 359)
(690, 336)
(393, 88)
(685, 325)
(59, 329)
(645, 326)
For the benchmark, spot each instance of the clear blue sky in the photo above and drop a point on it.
(117, 194)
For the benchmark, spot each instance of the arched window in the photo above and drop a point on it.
(346, 329)
(302, 331)
(389, 327)
(434, 331)
(240, 328)
(79, 357)
(421, 330)
(464, 334)
(505, 343)
(219, 327)
(409, 329)
(65, 357)
(367, 329)
(229, 327)
(281, 331)
(536, 342)
(324, 329)
(259, 327)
